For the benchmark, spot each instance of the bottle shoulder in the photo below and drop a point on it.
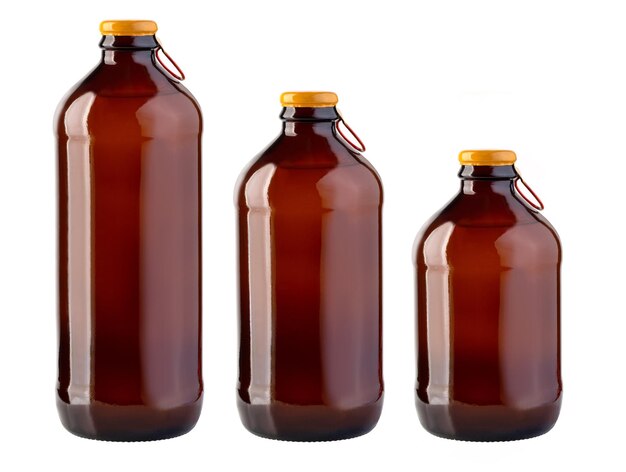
(284, 172)
(505, 209)
(460, 227)
(104, 95)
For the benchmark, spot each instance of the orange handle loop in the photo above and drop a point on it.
(180, 75)
(527, 187)
(361, 146)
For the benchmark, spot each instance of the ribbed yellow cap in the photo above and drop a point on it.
(309, 99)
(487, 158)
(128, 27)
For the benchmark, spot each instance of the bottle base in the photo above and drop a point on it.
(466, 422)
(287, 422)
(107, 422)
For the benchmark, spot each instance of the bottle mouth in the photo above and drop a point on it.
(129, 43)
(488, 172)
(487, 157)
(311, 114)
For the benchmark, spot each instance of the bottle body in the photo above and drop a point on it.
(488, 307)
(129, 251)
(309, 222)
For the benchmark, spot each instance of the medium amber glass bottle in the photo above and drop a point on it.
(488, 308)
(128, 138)
(309, 221)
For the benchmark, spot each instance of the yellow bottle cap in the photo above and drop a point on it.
(128, 27)
(308, 99)
(487, 158)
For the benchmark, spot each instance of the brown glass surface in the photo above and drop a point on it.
(129, 249)
(488, 306)
(309, 213)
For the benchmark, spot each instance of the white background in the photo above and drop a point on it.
(419, 81)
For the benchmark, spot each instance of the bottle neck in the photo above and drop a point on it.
(302, 121)
(487, 179)
(128, 49)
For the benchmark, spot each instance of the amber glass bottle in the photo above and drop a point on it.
(128, 139)
(488, 307)
(309, 221)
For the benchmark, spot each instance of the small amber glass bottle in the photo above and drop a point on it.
(309, 221)
(488, 304)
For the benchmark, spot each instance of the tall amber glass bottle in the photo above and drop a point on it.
(488, 308)
(309, 220)
(129, 245)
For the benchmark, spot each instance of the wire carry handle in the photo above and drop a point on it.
(519, 179)
(180, 75)
(361, 146)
